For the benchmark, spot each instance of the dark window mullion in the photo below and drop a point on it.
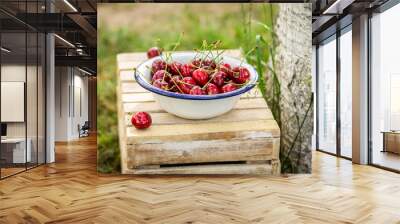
(317, 97)
(338, 73)
(369, 100)
(26, 87)
(45, 88)
(0, 98)
(37, 91)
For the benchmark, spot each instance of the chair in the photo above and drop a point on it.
(84, 130)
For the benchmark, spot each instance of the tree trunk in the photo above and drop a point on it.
(293, 68)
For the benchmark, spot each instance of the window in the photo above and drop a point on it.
(346, 93)
(22, 79)
(327, 96)
(385, 89)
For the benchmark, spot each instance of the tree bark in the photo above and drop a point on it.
(293, 68)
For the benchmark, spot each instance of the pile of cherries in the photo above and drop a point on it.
(201, 76)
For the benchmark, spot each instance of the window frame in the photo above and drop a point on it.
(334, 37)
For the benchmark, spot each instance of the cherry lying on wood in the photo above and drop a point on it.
(141, 120)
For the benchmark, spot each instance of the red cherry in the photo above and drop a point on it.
(219, 78)
(174, 68)
(159, 83)
(187, 84)
(196, 90)
(141, 120)
(212, 89)
(228, 88)
(241, 75)
(153, 52)
(209, 64)
(158, 65)
(196, 63)
(161, 74)
(174, 82)
(187, 70)
(225, 67)
(201, 76)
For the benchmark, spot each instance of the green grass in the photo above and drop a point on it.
(235, 29)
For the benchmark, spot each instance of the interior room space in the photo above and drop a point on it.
(385, 89)
(72, 96)
(48, 79)
(49, 158)
(22, 99)
(356, 66)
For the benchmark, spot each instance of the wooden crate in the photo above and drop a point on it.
(242, 141)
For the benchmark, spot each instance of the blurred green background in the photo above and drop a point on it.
(137, 27)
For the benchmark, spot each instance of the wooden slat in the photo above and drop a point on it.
(129, 61)
(225, 169)
(127, 57)
(127, 76)
(153, 106)
(164, 118)
(201, 130)
(137, 97)
(247, 133)
(72, 191)
(202, 151)
(132, 87)
(147, 96)
(121, 129)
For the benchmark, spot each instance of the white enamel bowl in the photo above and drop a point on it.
(194, 106)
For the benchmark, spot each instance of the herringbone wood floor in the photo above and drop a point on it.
(70, 191)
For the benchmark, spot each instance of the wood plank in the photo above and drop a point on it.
(248, 132)
(137, 97)
(130, 61)
(132, 87)
(200, 151)
(182, 132)
(153, 106)
(127, 76)
(121, 130)
(239, 169)
(127, 57)
(148, 96)
(128, 65)
(235, 115)
(149, 106)
(72, 191)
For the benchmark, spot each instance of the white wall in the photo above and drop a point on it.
(50, 94)
(71, 87)
(33, 126)
(62, 82)
(16, 73)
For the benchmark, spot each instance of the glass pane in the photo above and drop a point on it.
(32, 88)
(41, 98)
(31, 99)
(327, 97)
(346, 94)
(386, 89)
(314, 74)
(13, 87)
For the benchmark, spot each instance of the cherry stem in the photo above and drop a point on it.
(177, 86)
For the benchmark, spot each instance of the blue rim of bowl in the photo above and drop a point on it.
(151, 88)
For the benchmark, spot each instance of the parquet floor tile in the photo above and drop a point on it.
(71, 191)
